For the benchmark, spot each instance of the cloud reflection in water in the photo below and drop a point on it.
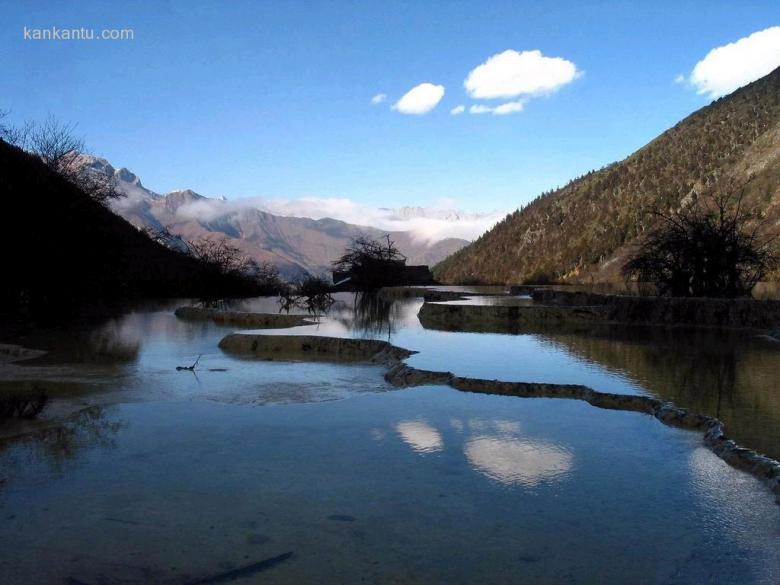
(495, 448)
(512, 460)
(420, 436)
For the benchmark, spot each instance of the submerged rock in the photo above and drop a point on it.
(244, 572)
(241, 319)
(314, 348)
(342, 518)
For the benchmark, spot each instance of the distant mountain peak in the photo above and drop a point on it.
(440, 213)
(296, 245)
(127, 177)
(183, 196)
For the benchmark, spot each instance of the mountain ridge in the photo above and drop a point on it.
(296, 245)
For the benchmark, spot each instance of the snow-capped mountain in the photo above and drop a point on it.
(294, 244)
(443, 214)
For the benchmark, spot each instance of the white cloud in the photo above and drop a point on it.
(508, 108)
(421, 99)
(731, 66)
(429, 224)
(500, 110)
(457, 110)
(513, 73)
(378, 98)
(680, 78)
(480, 109)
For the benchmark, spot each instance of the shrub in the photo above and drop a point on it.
(539, 276)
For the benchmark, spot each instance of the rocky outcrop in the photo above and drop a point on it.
(313, 348)
(241, 319)
(741, 313)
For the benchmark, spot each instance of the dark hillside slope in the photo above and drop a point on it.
(63, 251)
(584, 231)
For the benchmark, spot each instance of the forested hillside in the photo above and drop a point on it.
(585, 230)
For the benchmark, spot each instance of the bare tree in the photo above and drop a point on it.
(220, 253)
(4, 127)
(166, 237)
(60, 149)
(371, 263)
(57, 145)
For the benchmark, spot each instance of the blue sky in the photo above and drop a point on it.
(273, 99)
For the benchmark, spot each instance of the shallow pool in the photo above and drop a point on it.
(282, 472)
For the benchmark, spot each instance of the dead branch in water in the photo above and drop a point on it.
(189, 368)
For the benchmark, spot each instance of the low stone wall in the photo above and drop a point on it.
(742, 313)
(241, 319)
(505, 318)
(313, 348)
(522, 289)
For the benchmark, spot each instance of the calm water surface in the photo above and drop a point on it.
(330, 475)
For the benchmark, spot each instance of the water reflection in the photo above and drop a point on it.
(56, 447)
(493, 300)
(717, 485)
(517, 461)
(403, 507)
(375, 315)
(730, 374)
(727, 374)
(112, 342)
(420, 436)
(497, 449)
(500, 450)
